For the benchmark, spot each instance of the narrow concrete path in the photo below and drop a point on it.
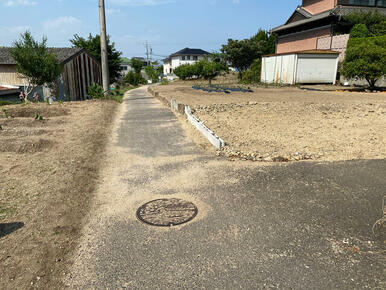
(303, 225)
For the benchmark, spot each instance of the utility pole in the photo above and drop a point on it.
(104, 56)
(149, 53)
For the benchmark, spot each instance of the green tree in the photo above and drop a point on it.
(241, 53)
(184, 72)
(35, 62)
(378, 29)
(253, 74)
(369, 18)
(365, 59)
(93, 46)
(211, 68)
(152, 73)
(137, 65)
(266, 42)
(359, 31)
(134, 79)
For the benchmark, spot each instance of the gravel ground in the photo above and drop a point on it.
(290, 124)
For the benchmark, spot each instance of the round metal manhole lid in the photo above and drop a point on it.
(167, 212)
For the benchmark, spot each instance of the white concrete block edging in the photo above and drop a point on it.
(212, 137)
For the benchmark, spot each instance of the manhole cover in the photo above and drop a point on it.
(167, 212)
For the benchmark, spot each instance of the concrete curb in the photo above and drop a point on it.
(187, 111)
(215, 140)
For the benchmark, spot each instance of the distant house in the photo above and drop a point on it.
(125, 68)
(319, 24)
(184, 56)
(79, 71)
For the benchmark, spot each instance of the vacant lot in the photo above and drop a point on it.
(48, 172)
(285, 124)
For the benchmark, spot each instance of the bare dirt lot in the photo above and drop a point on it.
(289, 124)
(48, 172)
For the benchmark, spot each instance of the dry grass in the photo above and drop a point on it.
(48, 173)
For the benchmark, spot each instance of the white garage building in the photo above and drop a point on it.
(303, 67)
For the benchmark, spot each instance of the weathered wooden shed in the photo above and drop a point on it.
(79, 71)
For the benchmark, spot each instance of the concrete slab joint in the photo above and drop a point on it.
(210, 135)
(186, 110)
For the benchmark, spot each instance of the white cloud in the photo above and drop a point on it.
(11, 3)
(62, 23)
(59, 30)
(236, 1)
(141, 2)
(8, 34)
(111, 11)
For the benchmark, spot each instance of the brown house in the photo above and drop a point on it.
(79, 71)
(318, 24)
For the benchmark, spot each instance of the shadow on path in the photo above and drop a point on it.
(6, 229)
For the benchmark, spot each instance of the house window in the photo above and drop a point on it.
(123, 67)
(195, 58)
(183, 57)
(188, 57)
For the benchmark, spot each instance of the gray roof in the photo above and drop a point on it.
(187, 51)
(190, 51)
(315, 17)
(63, 54)
(337, 11)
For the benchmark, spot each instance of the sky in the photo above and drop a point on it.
(167, 25)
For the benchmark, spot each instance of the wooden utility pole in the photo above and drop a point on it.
(104, 55)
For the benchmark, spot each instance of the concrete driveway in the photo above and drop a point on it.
(301, 225)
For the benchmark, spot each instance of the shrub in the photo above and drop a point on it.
(365, 59)
(152, 73)
(134, 79)
(184, 71)
(253, 74)
(96, 91)
(378, 29)
(359, 31)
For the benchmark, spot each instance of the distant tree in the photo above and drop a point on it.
(137, 65)
(253, 74)
(93, 46)
(152, 73)
(241, 53)
(365, 59)
(35, 62)
(211, 68)
(184, 71)
(160, 70)
(359, 31)
(134, 79)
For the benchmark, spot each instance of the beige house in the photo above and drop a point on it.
(318, 24)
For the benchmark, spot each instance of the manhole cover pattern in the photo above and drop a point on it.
(167, 212)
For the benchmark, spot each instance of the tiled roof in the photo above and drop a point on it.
(337, 11)
(315, 17)
(191, 51)
(62, 54)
